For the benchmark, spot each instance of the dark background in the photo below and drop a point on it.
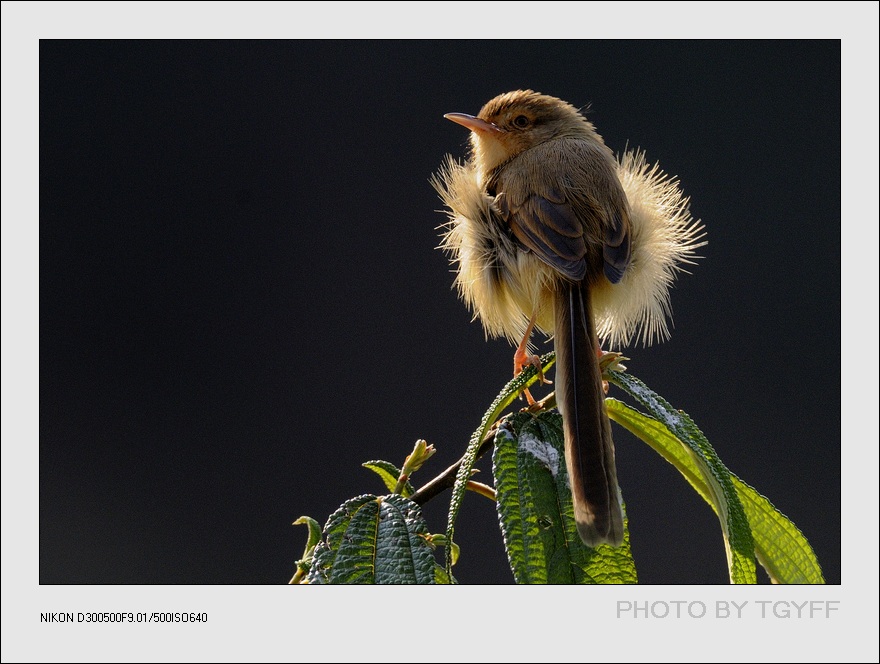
(241, 299)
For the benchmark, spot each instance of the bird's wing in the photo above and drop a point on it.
(551, 218)
(616, 250)
(550, 230)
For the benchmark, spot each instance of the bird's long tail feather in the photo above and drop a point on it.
(589, 448)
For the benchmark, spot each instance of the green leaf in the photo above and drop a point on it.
(374, 539)
(314, 533)
(536, 513)
(441, 577)
(304, 564)
(439, 539)
(389, 474)
(662, 441)
(507, 396)
(779, 546)
(735, 526)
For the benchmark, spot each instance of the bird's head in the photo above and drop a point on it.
(513, 122)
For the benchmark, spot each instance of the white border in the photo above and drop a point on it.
(385, 624)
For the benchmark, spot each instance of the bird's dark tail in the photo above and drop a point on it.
(589, 449)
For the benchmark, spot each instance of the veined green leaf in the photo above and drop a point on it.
(662, 441)
(389, 474)
(536, 513)
(441, 577)
(507, 396)
(780, 547)
(374, 539)
(314, 533)
(304, 564)
(718, 484)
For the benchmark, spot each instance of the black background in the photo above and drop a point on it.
(241, 299)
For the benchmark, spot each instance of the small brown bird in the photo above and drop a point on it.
(549, 230)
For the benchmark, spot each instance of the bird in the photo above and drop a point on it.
(548, 230)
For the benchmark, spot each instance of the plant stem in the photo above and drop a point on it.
(298, 577)
(446, 479)
(482, 489)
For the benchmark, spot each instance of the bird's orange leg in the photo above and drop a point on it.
(521, 358)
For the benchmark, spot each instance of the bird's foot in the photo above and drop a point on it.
(521, 360)
(609, 361)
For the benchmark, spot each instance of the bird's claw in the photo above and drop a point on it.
(521, 360)
(611, 361)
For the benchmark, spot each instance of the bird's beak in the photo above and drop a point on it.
(474, 124)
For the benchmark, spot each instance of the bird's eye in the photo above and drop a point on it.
(521, 122)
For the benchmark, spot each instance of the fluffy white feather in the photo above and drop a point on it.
(637, 309)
